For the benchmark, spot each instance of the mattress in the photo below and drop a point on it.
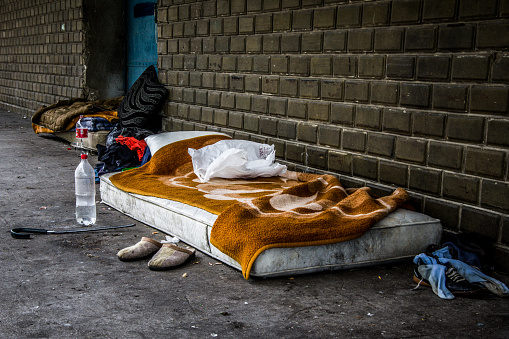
(399, 236)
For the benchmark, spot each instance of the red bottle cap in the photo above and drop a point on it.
(84, 156)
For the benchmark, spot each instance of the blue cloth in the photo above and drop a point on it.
(432, 268)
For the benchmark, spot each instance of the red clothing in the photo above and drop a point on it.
(133, 144)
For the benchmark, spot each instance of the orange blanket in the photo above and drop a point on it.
(257, 214)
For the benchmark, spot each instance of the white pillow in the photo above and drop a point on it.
(156, 141)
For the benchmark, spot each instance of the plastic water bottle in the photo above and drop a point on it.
(81, 132)
(84, 182)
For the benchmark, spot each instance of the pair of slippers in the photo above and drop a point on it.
(164, 256)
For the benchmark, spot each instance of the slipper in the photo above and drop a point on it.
(170, 256)
(142, 250)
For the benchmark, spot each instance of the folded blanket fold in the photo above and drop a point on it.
(298, 209)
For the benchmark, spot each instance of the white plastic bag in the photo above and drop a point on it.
(235, 159)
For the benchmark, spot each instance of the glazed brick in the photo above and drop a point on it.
(307, 132)
(397, 120)
(237, 44)
(446, 212)
(243, 102)
(254, 5)
(208, 79)
(331, 89)
(295, 152)
(188, 96)
(456, 38)
(288, 86)
(183, 111)
(329, 135)
(357, 91)
(254, 44)
(324, 18)
(311, 42)
(227, 100)
(465, 128)
(390, 40)
(354, 140)
(317, 157)
(371, 66)
(268, 126)
(290, 43)
(261, 64)
(384, 93)
(202, 27)
(420, 38)
(299, 65)
(445, 155)
(498, 132)
(271, 43)
(277, 106)
(340, 162)
(433, 68)
(437, 10)
(405, 11)
(500, 69)
(460, 187)
(246, 25)
(229, 63)
(429, 124)
(236, 82)
(349, 15)
(365, 167)
(259, 104)
(287, 129)
(282, 21)
(360, 40)
(375, 14)
(189, 62)
(195, 79)
(222, 81)
(235, 120)
(368, 117)
(380, 144)
(245, 63)
(344, 66)
(290, 3)
(252, 83)
(172, 46)
(215, 62)
(178, 62)
(483, 162)
(302, 19)
(410, 149)
(190, 28)
(320, 65)
(309, 88)
(334, 41)
(207, 115)
(425, 180)
(318, 110)
(196, 45)
(489, 99)
(216, 26)
(195, 113)
(478, 9)
(495, 195)
(297, 108)
(400, 66)
(214, 98)
(450, 97)
(342, 114)
(223, 7)
(201, 97)
(251, 122)
(479, 221)
(414, 94)
(209, 45)
(393, 173)
(352, 182)
(270, 84)
(493, 35)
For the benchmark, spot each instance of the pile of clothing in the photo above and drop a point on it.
(456, 269)
(138, 118)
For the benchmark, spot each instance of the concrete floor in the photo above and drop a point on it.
(73, 286)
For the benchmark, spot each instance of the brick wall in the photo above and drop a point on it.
(41, 53)
(409, 93)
